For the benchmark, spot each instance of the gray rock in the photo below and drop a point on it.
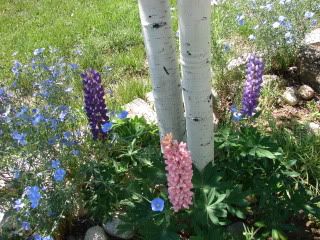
(313, 37)
(95, 233)
(150, 99)
(314, 128)
(289, 96)
(306, 92)
(309, 60)
(237, 62)
(111, 228)
(141, 108)
(1, 216)
(236, 230)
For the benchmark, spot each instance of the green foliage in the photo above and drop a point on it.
(277, 191)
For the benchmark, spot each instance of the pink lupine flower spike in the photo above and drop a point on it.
(179, 172)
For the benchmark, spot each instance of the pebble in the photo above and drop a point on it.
(111, 228)
(290, 97)
(306, 92)
(314, 128)
(96, 233)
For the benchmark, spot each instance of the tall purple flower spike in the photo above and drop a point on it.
(94, 103)
(251, 93)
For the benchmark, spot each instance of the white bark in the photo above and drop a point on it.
(195, 38)
(159, 42)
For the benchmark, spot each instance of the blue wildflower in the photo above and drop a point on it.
(157, 205)
(59, 174)
(282, 2)
(2, 92)
(314, 22)
(74, 66)
(288, 37)
(107, 68)
(16, 174)
(37, 119)
(20, 138)
(67, 134)
(54, 124)
(64, 112)
(77, 52)
(282, 19)
(276, 25)
(38, 51)
(308, 15)
(252, 37)
(237, 116)
(18, 204)
(240, 19)
(75, 152)
(34, 195)
(22, 114)
(55, 164)
(16, 68)
(123, 114)
(25, 226)
(47, 238)
(287, 25)
(52, 140)
(268, 7)
(226, 47)
(37, 237)
(233, 109)
(106, 127)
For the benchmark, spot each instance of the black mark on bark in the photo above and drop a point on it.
(189, 53)
(159, 25)
(196, 119)
(205, 144)
(165, 69)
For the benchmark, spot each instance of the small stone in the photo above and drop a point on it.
(306, 92)
(290, 97)
(150, 99)
(313, 37)
(111, 228)
(309, 223)
(314, 128)
(1, 217)
(96, 233)
(141, 108)
(237, 62)
(236, 230)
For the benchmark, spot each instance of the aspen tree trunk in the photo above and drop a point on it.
(160, 47)
(195, 38)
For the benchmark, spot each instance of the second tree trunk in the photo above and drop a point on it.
(195, 47)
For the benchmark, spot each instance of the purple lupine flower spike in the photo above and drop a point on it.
(94, 103)
(251, 93)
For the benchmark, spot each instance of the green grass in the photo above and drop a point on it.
(107, 32)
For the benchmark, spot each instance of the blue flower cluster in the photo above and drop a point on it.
(34, 195)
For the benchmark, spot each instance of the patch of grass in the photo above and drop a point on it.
(107, 33)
